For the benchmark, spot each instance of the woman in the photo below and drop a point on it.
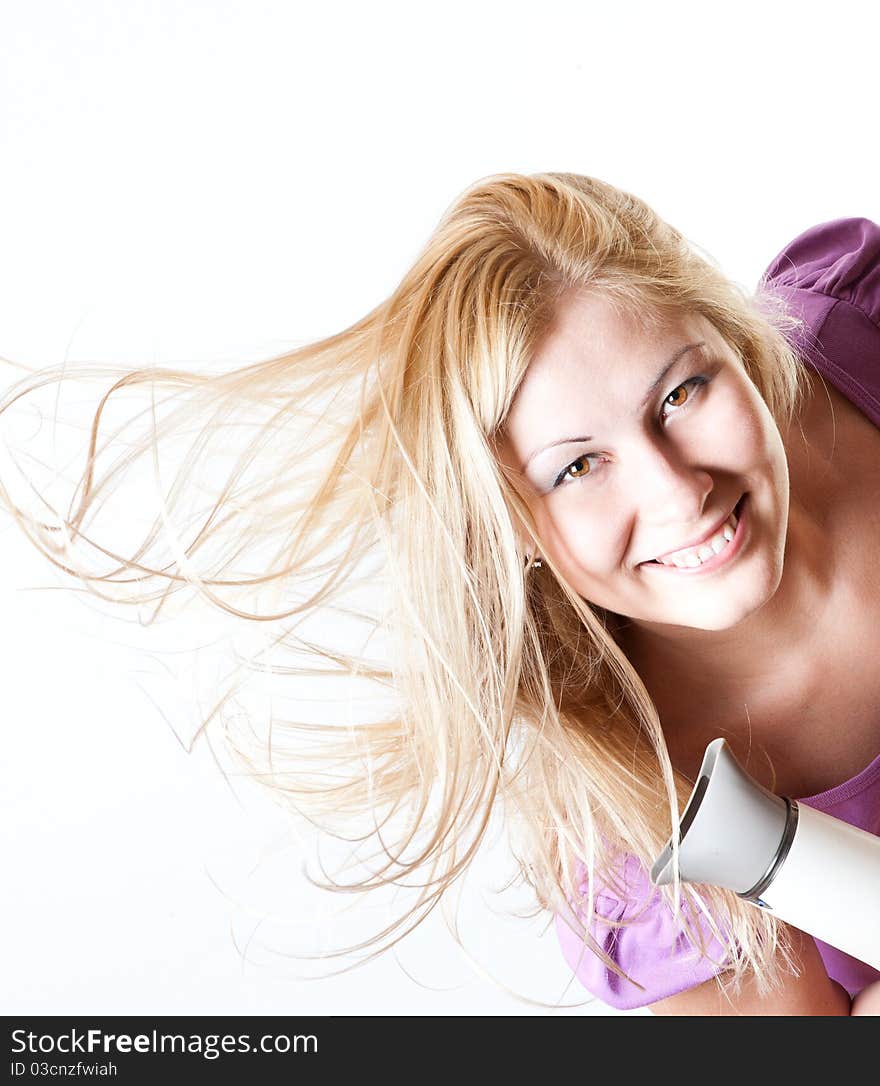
(546, 657)
(717, 632)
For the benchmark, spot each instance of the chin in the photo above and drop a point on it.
(718, 622)
(737, 608)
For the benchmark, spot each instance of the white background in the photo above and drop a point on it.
(217, 182)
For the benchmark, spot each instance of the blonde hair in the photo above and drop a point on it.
(370, 457)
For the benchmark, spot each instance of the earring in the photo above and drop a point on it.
(537, 564)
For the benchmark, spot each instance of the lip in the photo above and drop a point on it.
(719, 560)
(701, 539)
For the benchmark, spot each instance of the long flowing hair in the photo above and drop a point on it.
(359, 475)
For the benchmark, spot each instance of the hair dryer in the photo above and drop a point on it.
(814, 871)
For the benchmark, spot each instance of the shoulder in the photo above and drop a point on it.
(829, 279)
(806, 991)
(839, 259)
(635, 928)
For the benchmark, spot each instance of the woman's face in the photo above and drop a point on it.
(633, 445)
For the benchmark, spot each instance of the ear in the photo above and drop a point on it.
(525, 542)
(517, 506)
(530, 551)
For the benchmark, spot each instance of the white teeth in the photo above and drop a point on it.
(697, 555)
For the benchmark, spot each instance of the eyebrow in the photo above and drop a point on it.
(652, 390)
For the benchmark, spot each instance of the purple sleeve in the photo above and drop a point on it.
(829, 276)
(650, 949)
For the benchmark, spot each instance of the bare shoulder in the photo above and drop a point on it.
(867, 1002)
(812, 992)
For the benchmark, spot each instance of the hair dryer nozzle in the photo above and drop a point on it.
(731, 831)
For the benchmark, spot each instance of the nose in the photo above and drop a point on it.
(672, 490)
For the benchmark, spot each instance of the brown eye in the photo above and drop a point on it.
(681, 388)
(565, 476)
(684, 390)
(583, 460)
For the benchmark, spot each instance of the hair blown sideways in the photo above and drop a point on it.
(357, 478)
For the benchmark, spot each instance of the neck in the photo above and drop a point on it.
(751, 672)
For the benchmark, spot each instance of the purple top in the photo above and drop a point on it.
(830, 277)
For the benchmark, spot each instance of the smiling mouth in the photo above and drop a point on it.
(723, 541)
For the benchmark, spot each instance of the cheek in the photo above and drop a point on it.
(742, 429)
(586, 543)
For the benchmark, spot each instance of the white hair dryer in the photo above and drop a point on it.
(812, 870)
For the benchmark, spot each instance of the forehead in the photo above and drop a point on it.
(593, 364)
(589, 338)
(589, 330)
